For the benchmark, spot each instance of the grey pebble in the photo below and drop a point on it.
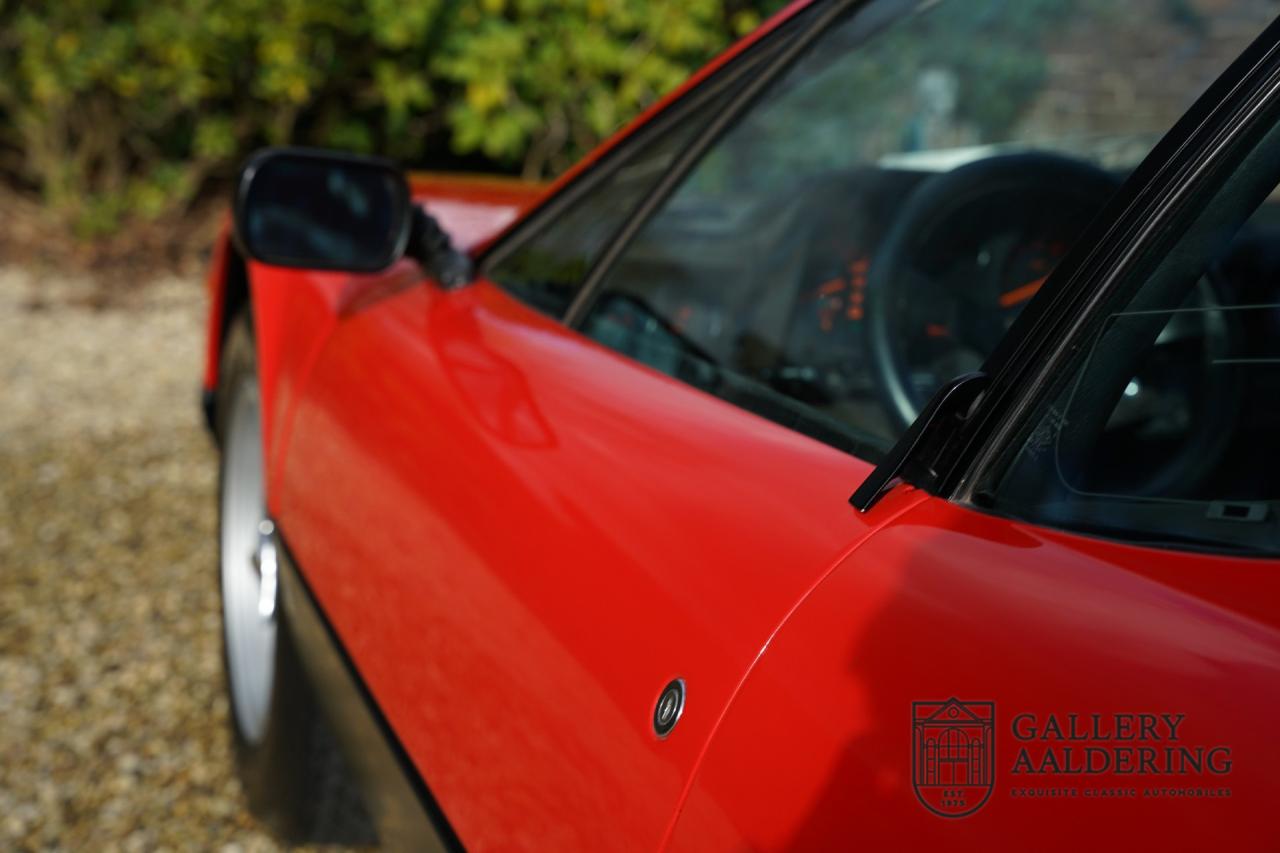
(113, 723)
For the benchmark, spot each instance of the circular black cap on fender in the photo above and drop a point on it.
(670, 705)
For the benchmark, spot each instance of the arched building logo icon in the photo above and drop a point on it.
(953, 749)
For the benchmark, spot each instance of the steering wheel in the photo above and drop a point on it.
(969, 248)
(964, 254)
(1149, 414)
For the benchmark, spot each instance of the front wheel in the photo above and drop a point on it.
(294, 777)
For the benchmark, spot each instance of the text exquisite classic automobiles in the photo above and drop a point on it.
(872, 446)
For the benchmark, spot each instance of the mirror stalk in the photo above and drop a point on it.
(430, 246)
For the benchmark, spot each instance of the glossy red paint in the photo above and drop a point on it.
(520, 536)
(473, 208)
(216, 283)
(815, 752)
(535, 536)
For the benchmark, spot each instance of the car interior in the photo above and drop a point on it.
(834, 286)
(859, 294)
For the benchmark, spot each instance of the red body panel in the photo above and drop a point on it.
(215, 284)
(473, 209)
(816, 751)
(520, 538)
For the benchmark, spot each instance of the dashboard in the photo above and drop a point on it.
(839, 305)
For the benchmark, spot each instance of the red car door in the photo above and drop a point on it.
(521, 539)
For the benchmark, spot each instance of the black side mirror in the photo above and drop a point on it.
(298, 207)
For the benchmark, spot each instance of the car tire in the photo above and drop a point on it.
(294, 776)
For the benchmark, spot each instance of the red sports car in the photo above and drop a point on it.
(875, 445)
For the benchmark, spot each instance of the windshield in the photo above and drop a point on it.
(1166, 434)
(870, 228)
(936, 85)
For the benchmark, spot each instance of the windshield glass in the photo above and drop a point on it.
(870, 228)
(934, 85)
(1167, 432)
(1162, 430)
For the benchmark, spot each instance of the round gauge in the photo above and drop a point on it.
(1026, 268)
(968, 251)
(969, 290)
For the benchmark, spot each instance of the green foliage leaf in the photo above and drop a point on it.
(119, 110)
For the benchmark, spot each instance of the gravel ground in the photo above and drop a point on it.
(113, 720)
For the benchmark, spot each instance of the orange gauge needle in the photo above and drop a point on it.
(1022, 293)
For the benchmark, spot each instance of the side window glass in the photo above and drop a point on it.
(1165, 430)
(547, 267)
(871, 227)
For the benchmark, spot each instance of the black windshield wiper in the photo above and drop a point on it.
(920, 455)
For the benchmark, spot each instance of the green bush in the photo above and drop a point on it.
(121, 110)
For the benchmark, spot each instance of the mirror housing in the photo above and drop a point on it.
(298, 207)
(325, 210)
